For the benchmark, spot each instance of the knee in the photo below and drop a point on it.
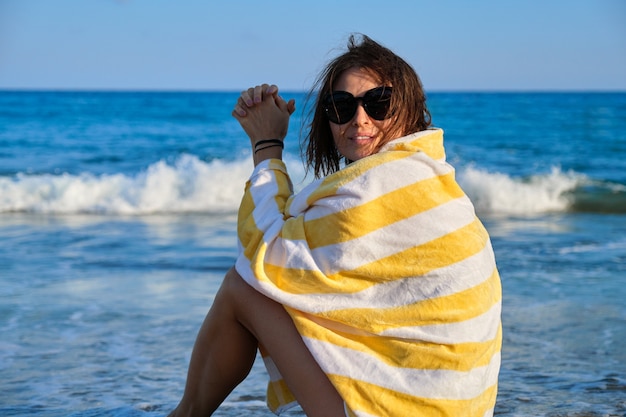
(233, 283)
(243, 298)
(236, 290)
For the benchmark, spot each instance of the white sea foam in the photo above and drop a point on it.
(191, 185)
(188, 185)
(502, 194)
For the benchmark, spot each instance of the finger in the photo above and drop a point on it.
(240, 110)
(280, 102)
(272, 90)
(246, 98)
(236, 115)
(289, 106)
(258, 94)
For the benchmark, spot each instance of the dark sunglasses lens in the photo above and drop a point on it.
(377, 101)
(340, 107)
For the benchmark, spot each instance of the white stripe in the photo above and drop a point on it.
(263, 194)
(293, 254)
(266, 213)
(394, 174)
(441, 282)
(426, 383)
(380, 243)
(271, 368)
(394, 238)
(363, 414)
(275, 376)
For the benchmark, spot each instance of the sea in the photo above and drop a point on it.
(118, 216)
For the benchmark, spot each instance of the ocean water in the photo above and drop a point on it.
(117, 223)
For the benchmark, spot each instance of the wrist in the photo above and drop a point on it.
(264, 152)
(259, 144)
(267, 149)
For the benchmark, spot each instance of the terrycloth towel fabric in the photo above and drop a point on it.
(389, 277)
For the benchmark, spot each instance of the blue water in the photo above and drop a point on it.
(117, 223)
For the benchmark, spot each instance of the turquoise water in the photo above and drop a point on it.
(117, 222)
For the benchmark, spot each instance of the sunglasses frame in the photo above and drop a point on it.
(336, 110)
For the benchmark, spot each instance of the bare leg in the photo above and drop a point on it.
(226, 346)
(222, 356)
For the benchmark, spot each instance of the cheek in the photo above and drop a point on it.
(386, 127)
(336, 131)
(391, 130)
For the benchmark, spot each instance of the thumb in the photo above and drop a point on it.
(283, 105)
(291, 106)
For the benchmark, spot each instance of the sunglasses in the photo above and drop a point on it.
(340, 106)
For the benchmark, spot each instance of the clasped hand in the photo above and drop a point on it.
(262, 113)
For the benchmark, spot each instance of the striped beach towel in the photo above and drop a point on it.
(389, 277)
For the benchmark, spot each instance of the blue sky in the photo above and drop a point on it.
(455, 45)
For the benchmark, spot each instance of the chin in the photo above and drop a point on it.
(357, 157)
(355, 154)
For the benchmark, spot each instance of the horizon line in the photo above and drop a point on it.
(296, 91)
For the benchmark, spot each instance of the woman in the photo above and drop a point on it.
(374, 290)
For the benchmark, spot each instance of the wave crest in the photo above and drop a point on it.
(189, 185)
(556, 191)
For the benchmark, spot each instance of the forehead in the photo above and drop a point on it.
(356, 81)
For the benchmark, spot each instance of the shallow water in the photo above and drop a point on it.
(98, 323)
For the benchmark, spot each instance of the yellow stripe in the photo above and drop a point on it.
(284, 189)
(402, 353)
(438, 253)
(387, 209)
(454, 308)
(376, 400)
(278, 395)
(422, 259)
(301, 281)
(431, 145)
(249, 233)
(247, 229)
(294, 229)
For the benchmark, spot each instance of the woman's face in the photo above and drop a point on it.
(361, 136)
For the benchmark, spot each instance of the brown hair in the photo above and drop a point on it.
(408, 101)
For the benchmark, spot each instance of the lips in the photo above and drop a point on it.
(362, 137)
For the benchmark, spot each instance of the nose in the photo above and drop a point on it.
(360, 117)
